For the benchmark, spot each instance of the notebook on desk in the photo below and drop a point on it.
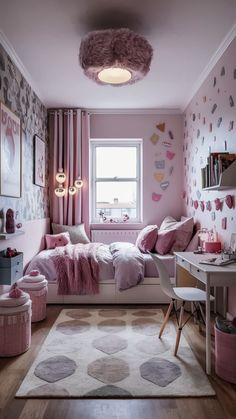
(217, 261)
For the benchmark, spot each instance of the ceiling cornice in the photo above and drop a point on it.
(17, 61)
(209, 67)
(135, 111)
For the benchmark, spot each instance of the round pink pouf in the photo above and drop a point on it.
(15, 327)
(36, 287)
(225, 353)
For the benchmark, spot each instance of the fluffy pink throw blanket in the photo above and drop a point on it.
(77, 269)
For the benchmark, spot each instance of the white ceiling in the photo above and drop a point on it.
(185, 35)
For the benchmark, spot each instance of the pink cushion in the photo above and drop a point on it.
(57, 240)
(147, 238)
(184, 231)
(165, 241)
(193, 244)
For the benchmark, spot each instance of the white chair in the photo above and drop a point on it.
(183, 294)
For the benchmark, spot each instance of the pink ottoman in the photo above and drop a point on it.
(15, 324)
(225, 353)
(36, 287)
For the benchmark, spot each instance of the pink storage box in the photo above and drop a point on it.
(38, 294)
(212, 247)
(225, 354)
(15, 329)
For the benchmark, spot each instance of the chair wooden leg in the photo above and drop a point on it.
(179, 329)
(166, 318)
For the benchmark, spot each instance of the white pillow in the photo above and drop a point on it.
(184, 231)
(77, 233)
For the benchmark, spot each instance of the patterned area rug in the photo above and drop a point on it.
(102, 353)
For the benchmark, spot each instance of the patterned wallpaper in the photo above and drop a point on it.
(17, 95)
(210, 126)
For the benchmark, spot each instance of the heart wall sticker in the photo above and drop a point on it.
(170, 155)
(156, 197)
(159, 176)
(154, 138)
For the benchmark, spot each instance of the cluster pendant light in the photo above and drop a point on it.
(60, 191)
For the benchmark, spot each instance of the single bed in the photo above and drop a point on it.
(148, 291)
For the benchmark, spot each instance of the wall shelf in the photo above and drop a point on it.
(227, 179)
(8, 236)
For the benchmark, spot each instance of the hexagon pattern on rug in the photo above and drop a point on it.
(110, 344)
(78, 314)
(146, 326)
(109, 370)
(153, 346)
(144, 313)
(160, 371)
(59, 346)
(55, 368)
(112, 312)
(73, 327)
(112, 325)
(52, 389)
(108, 391)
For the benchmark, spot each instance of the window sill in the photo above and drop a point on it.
(116, 226)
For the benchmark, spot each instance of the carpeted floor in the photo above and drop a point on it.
(102, 353)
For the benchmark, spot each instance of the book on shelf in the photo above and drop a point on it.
(217, 163)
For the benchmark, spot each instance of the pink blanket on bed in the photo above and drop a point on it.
(77, 269)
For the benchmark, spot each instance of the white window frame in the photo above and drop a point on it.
(97, 142)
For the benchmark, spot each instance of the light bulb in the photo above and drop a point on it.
(72, 190)
(78, 183)
(60, 192)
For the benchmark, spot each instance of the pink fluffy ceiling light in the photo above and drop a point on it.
(115, 56)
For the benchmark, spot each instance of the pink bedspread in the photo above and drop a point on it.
(77, 269)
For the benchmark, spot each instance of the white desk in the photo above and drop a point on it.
(211, 276)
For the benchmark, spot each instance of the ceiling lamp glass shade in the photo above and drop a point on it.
(78, 183)
(72, 190)
(115, 56)
(60, 176)
(60, 192)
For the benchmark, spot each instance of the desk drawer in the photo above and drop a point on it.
(198, 273)
(183, 263)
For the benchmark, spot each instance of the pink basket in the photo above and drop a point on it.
(225, 353)
(39, 303)
(15, 329)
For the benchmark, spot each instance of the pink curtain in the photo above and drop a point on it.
(68, 135)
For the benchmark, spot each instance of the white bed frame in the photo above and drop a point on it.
(149, 292)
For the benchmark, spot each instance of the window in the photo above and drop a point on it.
(115, 179)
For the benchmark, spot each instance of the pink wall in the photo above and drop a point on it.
(158, 146)
(209, 126)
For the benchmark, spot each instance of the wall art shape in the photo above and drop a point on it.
(202, 206)
(226, 145)
(161, 126)
(214, 108)
(159, 176)
(218, 204)
(171, 134)
(160, 164)
(198, 193)
(166, 144)
(156, 197)
(184, 194)
(208, 205)
(231, 101)
(171, 170)
(204, 120)
(191, 202)
(204, 99)
(222, 72)
(203, 139)
(164, 185)
(170, 155)
(229, 200)
(154, 138)
(231, 126)
(194, 116)
(213, 216)
(214, 82)
(210, 127)
(195, 204)
(224, 223)
(198, 133)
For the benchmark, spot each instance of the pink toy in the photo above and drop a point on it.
(34, 272)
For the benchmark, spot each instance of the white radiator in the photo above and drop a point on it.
(110, 236)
